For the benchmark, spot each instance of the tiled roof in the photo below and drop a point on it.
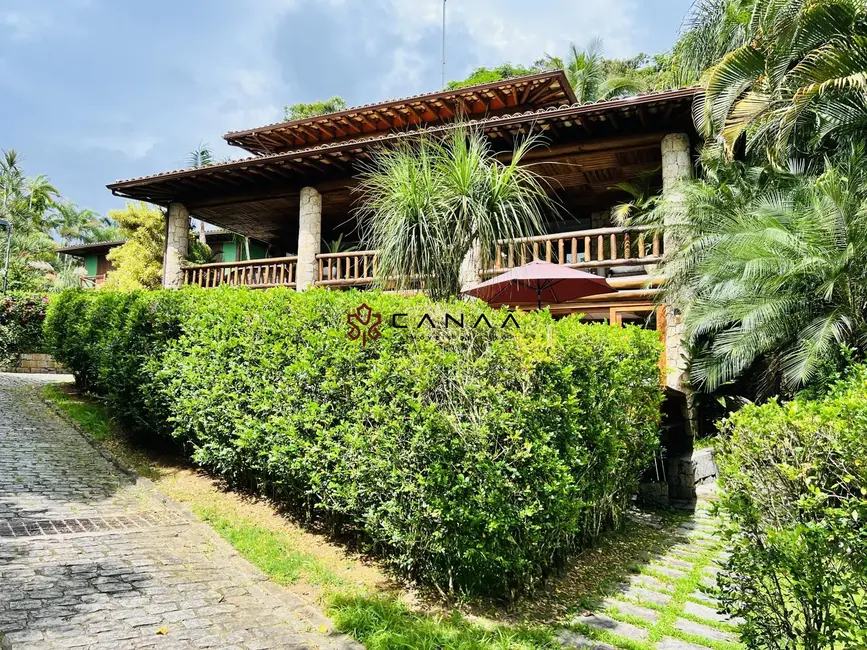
(397, 100)
(587, 107)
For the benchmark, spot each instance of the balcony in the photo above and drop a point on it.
(623, 251)
(258, 274)
(91, 281)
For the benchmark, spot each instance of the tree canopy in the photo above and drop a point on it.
(300, 111)
(138, 263)
(41, 218)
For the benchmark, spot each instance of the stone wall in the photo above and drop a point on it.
(686, 471)
(35, 362)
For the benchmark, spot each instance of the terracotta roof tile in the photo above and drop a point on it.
(609, 104)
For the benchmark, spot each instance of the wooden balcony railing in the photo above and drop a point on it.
(351, 269)
(91, 281)
(581, 249)
(260, 274)
(600, 247)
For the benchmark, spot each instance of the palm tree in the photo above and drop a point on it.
(428, 202)
(797, 79)
(773, 270)
(75, 224)
(711, 29)
(586, 74)
(201, 156)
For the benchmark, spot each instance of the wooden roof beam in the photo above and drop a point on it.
(414, 113)
(350, 125)
(306, 129)
(379, 116)
(367, 121)
(500, 96)
(324, 130)
(540, 90)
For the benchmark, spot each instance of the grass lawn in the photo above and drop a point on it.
(364, 600)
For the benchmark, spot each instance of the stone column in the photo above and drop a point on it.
(676, 167)
(309, 236)
(177, 241)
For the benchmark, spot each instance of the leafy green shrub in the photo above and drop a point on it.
(795, 489)
(21, 317)
(472, 459)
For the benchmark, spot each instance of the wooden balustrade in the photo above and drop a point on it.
(261, 274)
(350, 269)
(91, 281)
(599, 247)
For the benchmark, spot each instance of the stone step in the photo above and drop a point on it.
(671, 572)
(675, 562)
(685, 552)
(646, 595)
(693, 534)
(704, 597)
(630, 609)
(570, 639)
(649, 582)
(700, 526)
(709, 613)
(669, 643)
(711, 569)
(704, 631)
(602, 622)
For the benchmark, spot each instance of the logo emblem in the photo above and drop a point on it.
(364, 324)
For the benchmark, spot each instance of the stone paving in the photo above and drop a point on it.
(91, 557)
(669, 605)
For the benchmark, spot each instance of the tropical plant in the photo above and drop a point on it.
(585, 70)
(21, 317)
(82, 225)
(485, 75)
(795, 83)
(29, 205)
(301, 110)
(428, 203)
(772, 267)
(794, 481)
(201, 156)
(68, 274)
(138, 262)
(338, 245)
(644, 196)
(711, 30)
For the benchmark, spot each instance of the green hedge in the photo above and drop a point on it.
(794, 480)
(473, 459)
(21, 317)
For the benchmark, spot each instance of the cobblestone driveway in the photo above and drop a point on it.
(92, 558)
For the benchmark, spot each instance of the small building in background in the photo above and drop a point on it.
(225, 247)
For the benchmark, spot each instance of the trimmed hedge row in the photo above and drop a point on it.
(473, 459)
(794, 479)
(21, 317)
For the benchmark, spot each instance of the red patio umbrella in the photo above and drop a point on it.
(542, 282)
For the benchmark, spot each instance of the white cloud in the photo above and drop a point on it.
(133, 146)
(513, 30)
(23, 20)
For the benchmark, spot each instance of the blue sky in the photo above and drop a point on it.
(92, 91)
